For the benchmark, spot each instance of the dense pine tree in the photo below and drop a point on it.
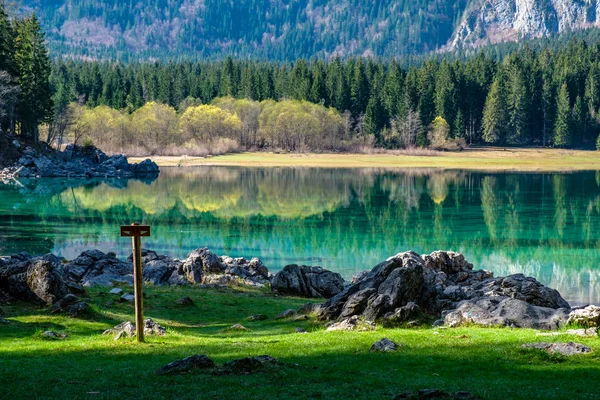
(562, 127)
(494, 115)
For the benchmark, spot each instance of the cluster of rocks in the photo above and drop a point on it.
(74, 162)
(444, 286)
(94, 267)
(127, 329)
(563, 349)
(242, 366)
(403, 290)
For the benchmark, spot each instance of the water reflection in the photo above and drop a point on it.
(544, 225)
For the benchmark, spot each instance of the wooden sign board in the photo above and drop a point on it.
(135, 230)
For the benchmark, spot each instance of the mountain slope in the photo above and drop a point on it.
(494, 21)
(289, 29)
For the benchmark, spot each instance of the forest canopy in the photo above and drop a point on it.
(542, 98)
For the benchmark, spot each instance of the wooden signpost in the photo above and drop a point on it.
(136, 231)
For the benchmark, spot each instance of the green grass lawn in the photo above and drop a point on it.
(490, 158)
(317, 365)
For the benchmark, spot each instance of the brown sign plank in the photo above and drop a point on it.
(135, 230)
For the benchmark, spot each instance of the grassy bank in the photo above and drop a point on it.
(495, 159)
(319, 364)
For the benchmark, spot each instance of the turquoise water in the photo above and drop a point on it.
(347, 220)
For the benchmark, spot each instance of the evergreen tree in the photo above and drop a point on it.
(33, 63)
(516, 107)
(494, 115)
(579, 122)
(359, 90)
(562, 127)
(446, 102)
(547, 107)
(375, 118)
(6, 42)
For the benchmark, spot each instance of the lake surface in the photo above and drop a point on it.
(347, 220)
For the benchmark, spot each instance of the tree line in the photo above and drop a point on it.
(25, 67)
(548, 97)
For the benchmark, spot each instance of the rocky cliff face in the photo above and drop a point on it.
(495, 21)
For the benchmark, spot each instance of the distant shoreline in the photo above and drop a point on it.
(488, 159)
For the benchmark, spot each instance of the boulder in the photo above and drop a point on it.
(588, 316)
(146, 167)
(199, 263)
(354, 323)
(237, 327)
(187, 364)
(307, 281)
(407, 287)
(157, 272)
(45, 282)
(384, 345)
(127, 297)
(564, 349)
(185, 301)
(127, 329)
(507, 312)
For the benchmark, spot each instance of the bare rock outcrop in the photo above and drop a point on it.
(444, 284)
(33, 279)
(304, 281)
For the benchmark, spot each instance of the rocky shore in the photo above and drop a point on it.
(73, 162)
(440, 288)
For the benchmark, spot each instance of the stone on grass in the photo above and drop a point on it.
(588, 316)
(257, 317)
(351, 324)
(385, 345)
(245, 366)
(286, 314)
(116, 291)
(127, 297)
(51, 335)
(305, 281)
(301, 330)
(564, 349)
(45, 281)
(199, 263)
(152, 328)
(187, 364)
(185, 301)
(72, 305)
(237, 327)
(582, 332)
(127, 329)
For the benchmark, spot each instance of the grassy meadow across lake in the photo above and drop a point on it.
(489, 159)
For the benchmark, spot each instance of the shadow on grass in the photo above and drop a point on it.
(341, 371)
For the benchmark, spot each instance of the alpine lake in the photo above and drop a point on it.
(545, 225)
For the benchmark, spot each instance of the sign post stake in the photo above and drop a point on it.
(136, 231)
